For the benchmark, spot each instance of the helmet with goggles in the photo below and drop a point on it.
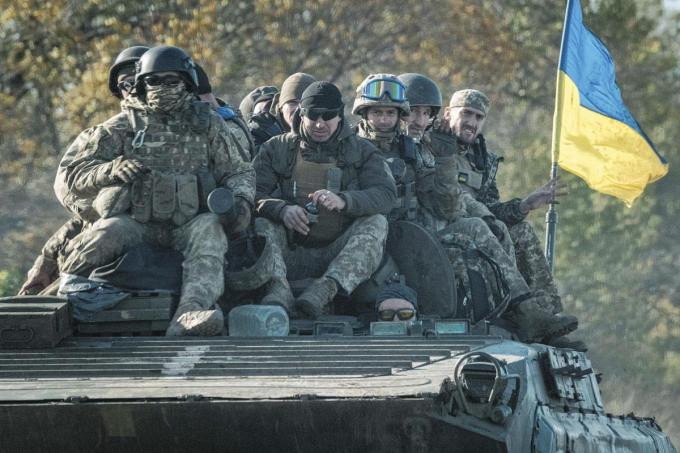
(381, 90)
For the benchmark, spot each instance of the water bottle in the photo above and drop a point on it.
(258, 321)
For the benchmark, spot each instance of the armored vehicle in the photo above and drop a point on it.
(337, 384)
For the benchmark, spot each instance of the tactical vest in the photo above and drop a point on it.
(176, 153)
(404, 161)
(308, 177)
(478, 172)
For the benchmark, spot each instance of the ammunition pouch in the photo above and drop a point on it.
(161, 197)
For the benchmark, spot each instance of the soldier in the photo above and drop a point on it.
(153, 165)
(466, 115)
(279, 118)
(45, 269)
(235, 123)
(338, 238)
(429, 194)
(257, 101)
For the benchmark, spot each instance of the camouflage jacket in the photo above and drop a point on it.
(485, 163)
(414, 165)
(56, 243)
(367, 185)
(76, 185)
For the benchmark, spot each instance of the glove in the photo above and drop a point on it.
(119, 170)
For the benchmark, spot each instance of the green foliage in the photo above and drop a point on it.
(617, 267)
(10, 282)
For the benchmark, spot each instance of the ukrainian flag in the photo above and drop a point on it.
(594, 134)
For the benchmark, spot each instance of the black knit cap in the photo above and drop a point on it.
(397, 291)
(321, 95)
(203, 81)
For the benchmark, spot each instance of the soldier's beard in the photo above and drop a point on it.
(166, 99)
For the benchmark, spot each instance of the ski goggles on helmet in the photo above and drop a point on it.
(403, 314)
(376, 89)
(314, 114)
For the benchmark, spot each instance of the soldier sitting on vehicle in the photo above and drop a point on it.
(153, 165)
(45, 269)
(465, 117)
(321, 191)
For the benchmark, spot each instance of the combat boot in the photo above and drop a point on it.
(279, 293)
(535, 321)
(564, 342)
(193, 319)
(313, 302)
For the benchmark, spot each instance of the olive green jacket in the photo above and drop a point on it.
(367, 185)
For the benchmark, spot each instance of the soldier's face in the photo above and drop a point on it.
(465, 122)
(125, 84)
(382, 119)
(320, 130)
(418, 120)
(288, 109)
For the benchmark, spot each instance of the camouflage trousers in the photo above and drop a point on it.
(532, 264)
(476, 230)
(349, 260)
(201, 241)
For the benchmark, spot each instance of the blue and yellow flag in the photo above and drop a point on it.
(594, 134)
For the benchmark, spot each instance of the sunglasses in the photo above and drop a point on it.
(314, 114)
(126, 85)
(376, 89)
(404, 314)
(170, 80)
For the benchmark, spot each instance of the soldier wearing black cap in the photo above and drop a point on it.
(321, 193)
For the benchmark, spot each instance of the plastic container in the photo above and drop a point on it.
(258, 321)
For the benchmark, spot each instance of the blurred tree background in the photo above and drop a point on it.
(617, 267)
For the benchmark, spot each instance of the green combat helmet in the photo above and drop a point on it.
(167, 58)
(381, 90)
(127, 57)
(421, 90)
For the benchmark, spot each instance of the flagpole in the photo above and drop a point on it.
(551, 216)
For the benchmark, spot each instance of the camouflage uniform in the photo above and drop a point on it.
(477, 174)
(366, 186)
(187, 152)
(440, 202)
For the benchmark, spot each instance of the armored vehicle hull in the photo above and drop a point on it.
(309, 394)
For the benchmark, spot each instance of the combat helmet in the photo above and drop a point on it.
(421, 90)
(129, 56)
(250, 263)
(167, 58)
(381, 90)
